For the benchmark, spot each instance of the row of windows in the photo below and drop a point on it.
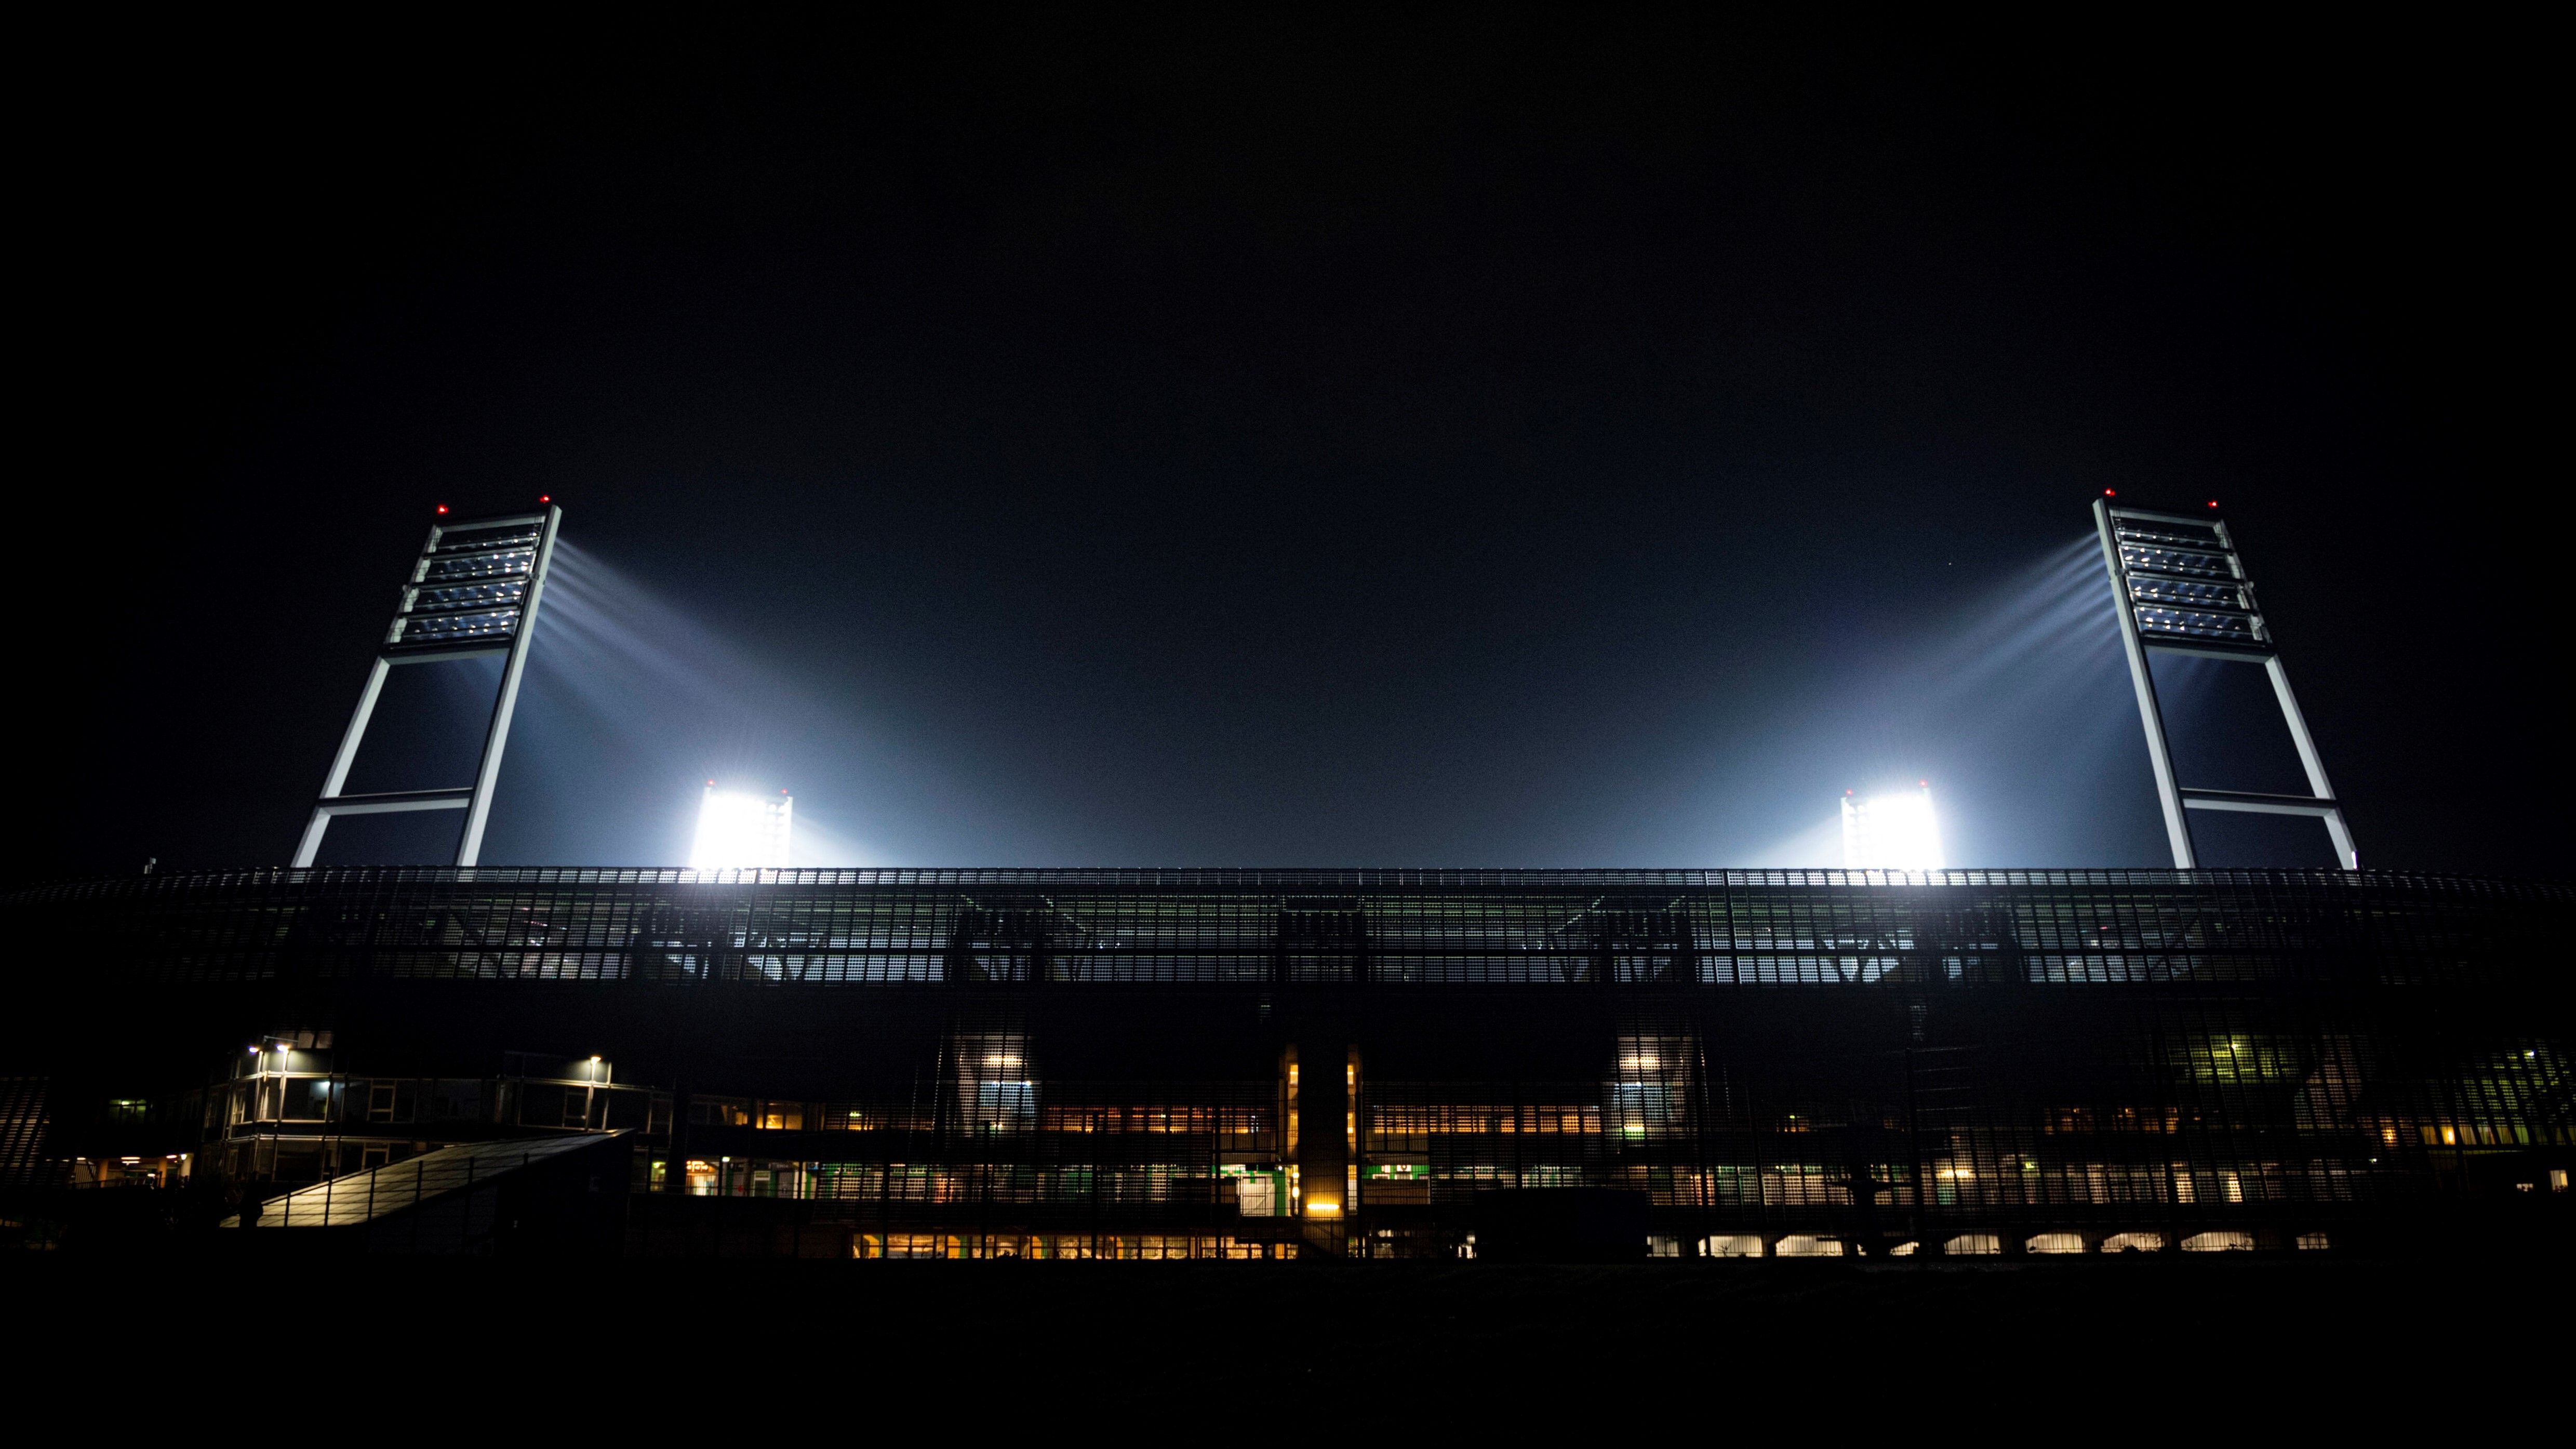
(1944, 1183)
(1140, 1247)
(441, 1101)
(1417, 1129)
(1417, 1116)
(1177, 1247)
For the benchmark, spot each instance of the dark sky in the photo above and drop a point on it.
(1462, 441)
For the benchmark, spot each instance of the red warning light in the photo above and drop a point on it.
(2213, 503)
(442, 508)
(545, 498)
(2110, 492)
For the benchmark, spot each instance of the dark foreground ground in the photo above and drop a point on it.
(2117, 1341)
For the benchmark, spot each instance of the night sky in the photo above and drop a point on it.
(1454, 442)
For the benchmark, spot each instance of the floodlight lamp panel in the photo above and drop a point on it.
(470, 585)
(737, 831)
(2184, 581)
(1891, 832)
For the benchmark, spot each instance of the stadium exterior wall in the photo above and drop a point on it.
(1255, 1064)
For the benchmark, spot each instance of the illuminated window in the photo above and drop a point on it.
(903, 1245)
(1257, 1195)
(719, 1112)
(308, 1100)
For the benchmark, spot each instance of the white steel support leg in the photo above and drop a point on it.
(2312, 762)
(2159, 754)
(478, 807)
(311, 845)
(356, 734)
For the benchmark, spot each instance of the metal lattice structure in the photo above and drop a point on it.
(1251, 1064)
(2181, 588)
(472, 593)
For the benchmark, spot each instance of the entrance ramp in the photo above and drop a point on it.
(471, 1197)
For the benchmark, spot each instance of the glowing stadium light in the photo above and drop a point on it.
(1891, 832)
(742, 832)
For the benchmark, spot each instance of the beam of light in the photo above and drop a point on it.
(632, 702)
(1814, 847)
(818, 846)
(1891, 832)
(2033, 643)
(742, 832)
(2019, 702)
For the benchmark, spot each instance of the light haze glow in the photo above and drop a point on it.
(2016, 696)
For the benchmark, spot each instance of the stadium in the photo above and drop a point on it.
(1252, 1065)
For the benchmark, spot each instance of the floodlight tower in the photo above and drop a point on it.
(472, 592)
(2182, 589)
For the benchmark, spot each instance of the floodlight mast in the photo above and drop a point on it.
(2182, 588)
(472, 592)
